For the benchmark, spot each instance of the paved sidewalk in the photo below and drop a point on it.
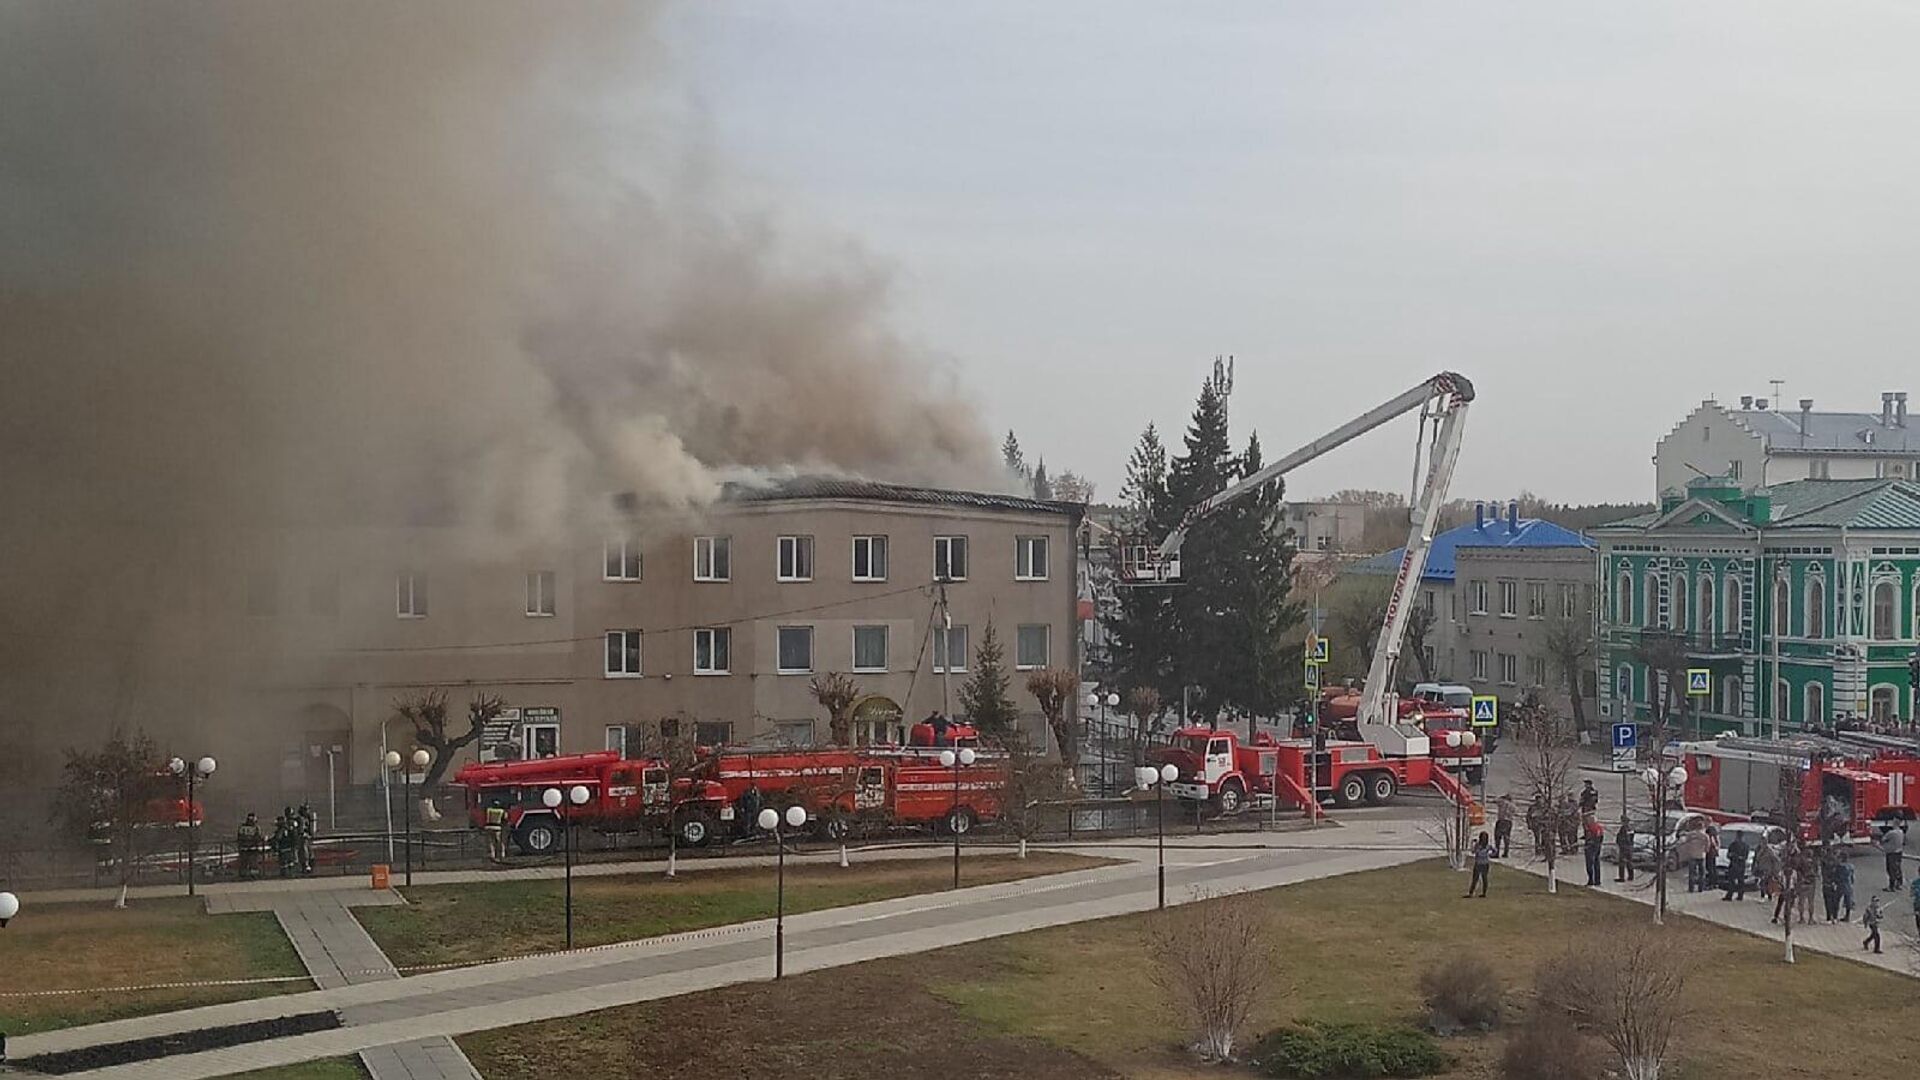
(379, 1013)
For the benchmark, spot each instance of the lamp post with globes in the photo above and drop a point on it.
(958, 820)
(576, 796)
(9, 907)
(770, 820)
(1659, 783)
(191, 771)
(419, 760)
(1157, 778)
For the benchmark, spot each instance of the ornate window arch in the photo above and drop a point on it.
(1678, 608)
(1885, 609)
(1650, 613)
(1705, 620)
(1782, 697)
(1883, 701)
(1733, 606)
(1623, 599)
(1815, 619)
(1730, 695)
(1815, 700)
(1782, 614)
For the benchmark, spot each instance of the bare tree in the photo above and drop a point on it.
(116, 797)
(671, 743)
(1567, 647)
(1213, 959)
(1628, 987)
(1054, 689)
(1446, 828)
(836, 693)
(1143, 704)
(1797, 867)
(1358, 615)
(1419, 624)
(426, 712)
(1030, 781)
(1543, 756)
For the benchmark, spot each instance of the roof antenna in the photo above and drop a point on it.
(1777, 384)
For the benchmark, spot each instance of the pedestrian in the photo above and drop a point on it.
(1892, 842)
(1712, 862)
(1537, 825)
(1737, 868)
(1830, 886)
(1691, 852)
(1766, 868)
(1595, 840)
(1843, 871)
(1482, 864)
(1569, 824)
(1589, 798)
(496, 830)
(1876, 907)
(1503, 814)
(1805, 870)
(1623, 848)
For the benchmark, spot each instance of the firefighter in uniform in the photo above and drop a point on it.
(283, 841)
(306, 824)
(247, 842)
(496, 829)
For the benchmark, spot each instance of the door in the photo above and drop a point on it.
(541, 740)
(1219, 760)
(870, 791)
(653, 789)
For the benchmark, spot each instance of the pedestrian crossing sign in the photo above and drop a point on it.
(1699, 682)
(1313, 678)
(1486, 710)
(1317, 650)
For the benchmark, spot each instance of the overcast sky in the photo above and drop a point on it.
(1600, 213)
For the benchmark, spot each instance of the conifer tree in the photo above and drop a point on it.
(984, 695)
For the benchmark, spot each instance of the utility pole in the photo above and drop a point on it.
(946, 657)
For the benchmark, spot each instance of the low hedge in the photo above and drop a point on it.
(1347, 1052)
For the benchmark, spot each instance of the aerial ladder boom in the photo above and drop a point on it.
(1443, 398)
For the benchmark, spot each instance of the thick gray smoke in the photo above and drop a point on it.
(272, 263)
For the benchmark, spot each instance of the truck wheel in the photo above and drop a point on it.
(1351, 792)
(959, 821)
(541, 836)
(1231, 799)
(1381, 788)
(695, 830)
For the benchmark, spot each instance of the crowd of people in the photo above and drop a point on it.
(291, 843)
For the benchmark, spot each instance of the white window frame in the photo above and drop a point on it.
(540, 589)
(1782, 621)
(718, 558)
(1808, 691)
(527, 737)
(1477, 596)
(1536, 591)
(779, 654)
(1677, 606)
(789, 553)
(410, 596)
(1569, 601)
(616, 738)
(1816, 611)
(943, 651)
(1873, 611)
(875, 546)
(1537, 670)
(886, 648)
(1024, 550)
(1047, 637)
(943, 550)
(1509, 598)
(713, 635)
(1623, 599)
(626, 636)
(1703, 618)
(1477, 664)
(1509, 669)
(615, 558)
(1733, 603)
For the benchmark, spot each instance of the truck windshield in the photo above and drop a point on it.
(1192, 744)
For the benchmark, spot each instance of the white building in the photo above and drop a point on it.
(1757, 446)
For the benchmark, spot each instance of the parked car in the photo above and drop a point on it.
(1756, 832)
(1645, 843)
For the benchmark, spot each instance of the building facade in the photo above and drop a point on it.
(1757, 446)
(719, 622)
(1801, 600)
(1514, 600)
(1324, 527)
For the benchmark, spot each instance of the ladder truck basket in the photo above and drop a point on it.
(1141, 564)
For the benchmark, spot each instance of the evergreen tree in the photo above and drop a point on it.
(1256, 675)
(1016, 461)
(1041, 488)
(1146, 482)
(984, 695)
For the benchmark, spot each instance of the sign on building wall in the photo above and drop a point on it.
(497, 733)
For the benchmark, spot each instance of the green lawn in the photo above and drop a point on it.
(345, 1068)
(1076, 1001)
(59, 946)
(471, 922)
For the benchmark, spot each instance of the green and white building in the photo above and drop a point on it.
(1802, 599)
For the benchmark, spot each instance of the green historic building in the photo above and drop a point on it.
(1802, 599)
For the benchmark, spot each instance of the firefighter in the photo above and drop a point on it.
(307, 824)
(496, 829)
(246, 843)
(1589, 798)
(283, 842)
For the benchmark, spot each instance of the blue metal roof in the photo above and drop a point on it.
(1493, 532)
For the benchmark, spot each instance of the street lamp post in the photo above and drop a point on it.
(419, 760)
(191, 771)
(955, 822)
(770, 820)
(1158, 779)
(1658, 782)
(552, 798)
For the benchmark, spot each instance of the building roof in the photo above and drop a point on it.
(1851, 432)
(1799, 504)
(1494, 532)
(832, 488)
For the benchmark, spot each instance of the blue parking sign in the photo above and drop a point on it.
(1625, 736)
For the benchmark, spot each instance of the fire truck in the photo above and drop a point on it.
(1452, 739)
(1846, 790)
(853, 789)
(624, 794)
(1386, 750)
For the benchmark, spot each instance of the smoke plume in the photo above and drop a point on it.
(270, 264)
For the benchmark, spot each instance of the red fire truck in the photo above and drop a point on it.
(849, 789)
(1847, 787)
(1452, 740)
(623, 794)
(1215, 766)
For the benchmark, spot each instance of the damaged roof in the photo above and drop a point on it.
(826, 488)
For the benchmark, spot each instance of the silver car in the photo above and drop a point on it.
(1755, 834)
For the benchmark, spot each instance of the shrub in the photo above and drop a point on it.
(1213, 959)
(1549, 1047)
(1347, 1052)
(1462, 993)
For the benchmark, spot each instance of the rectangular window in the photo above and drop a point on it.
(712, 650)
(1817, 468)
(1479, 660)
(869, 558)
(1033, 647)
(713, 558)
(617, 739)
(950, 558)
(795, 649)
(1321, 542)
(1476, 598)
(1536, 599)
(1733, 470)
(1536, 671)
(622, 561)
(540, 593)
(796, 733)
(1030, 558)
(796, 558)
(869, 648)
(411, 596)
(623, 654)
(1453, 606)
(950, 649)
(1509, 598)
(1569, 601)
(713, 732)
(1509, 669)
